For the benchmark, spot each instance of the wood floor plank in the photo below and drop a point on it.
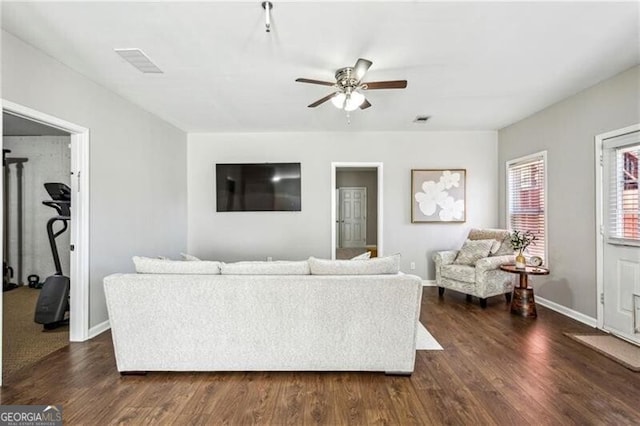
(495, 369)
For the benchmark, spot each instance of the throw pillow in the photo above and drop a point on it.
(189, 257)
(495, 247)
(375, 266)
(505, 248)
(364, 256)
(472, 251)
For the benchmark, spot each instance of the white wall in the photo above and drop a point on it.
(49, 161)
(137, 163)
(567, 130)
(298, 235)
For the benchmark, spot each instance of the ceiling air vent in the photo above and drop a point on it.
(421, 119)
(138, 59)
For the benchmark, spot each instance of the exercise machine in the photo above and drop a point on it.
(7, 269)
(53, 301)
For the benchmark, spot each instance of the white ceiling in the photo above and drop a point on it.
(471, 66)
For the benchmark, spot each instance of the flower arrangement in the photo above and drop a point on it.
(520, 240)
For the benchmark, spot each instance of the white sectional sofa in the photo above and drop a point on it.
(316, 315)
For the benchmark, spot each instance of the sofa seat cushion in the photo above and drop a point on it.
(147, 265)
(375, 266)
(266, 268)
(463, 273)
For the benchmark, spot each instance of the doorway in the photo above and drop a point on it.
(618, 248)
(77, 247)
(356, 209)
(33, 155)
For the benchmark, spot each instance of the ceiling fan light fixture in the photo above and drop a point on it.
(354, 100)
(338, 100)
(348, 101)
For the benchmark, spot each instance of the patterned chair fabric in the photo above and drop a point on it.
(484, 279)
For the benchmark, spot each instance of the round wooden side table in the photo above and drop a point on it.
(522, 302)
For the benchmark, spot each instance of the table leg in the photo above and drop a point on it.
(523, 303)
(524, 282)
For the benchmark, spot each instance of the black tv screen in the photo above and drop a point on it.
(258, 187)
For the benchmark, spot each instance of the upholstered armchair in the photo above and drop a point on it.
(475, 268)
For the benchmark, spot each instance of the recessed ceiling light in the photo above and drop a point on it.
(138, 59)
(421, 118)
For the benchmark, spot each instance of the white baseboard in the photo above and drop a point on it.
(428, 283)
(585, 319)
(99, 329)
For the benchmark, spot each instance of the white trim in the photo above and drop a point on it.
(524, 159)
(79, 273)
(79, 315)
(429, 283)
(578, 316)
(98, 329)
(356, 165)
(599, 140)
(40, 117)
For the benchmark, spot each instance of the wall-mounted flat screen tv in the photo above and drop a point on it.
(258, 187)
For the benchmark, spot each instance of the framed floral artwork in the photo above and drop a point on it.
(438, 195)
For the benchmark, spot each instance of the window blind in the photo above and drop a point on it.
(621, 191)
(527, 200)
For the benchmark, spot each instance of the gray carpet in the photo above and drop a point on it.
(24, 342)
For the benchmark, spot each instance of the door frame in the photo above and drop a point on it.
(599, 139)
(79, 227)
(357, 165)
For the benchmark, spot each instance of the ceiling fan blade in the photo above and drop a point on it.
(361, 67)
(365, 104)
(321, 101)
(391, 84)
(307, 80)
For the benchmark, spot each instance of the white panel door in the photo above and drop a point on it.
(353, 217)
(621, 251)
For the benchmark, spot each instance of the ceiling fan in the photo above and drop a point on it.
(348, 87)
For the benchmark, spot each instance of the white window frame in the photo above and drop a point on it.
(507, 216)
(615, 240)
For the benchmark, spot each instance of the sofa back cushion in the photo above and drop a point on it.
(500, 235)
(147, 265)
(376, 266)
(281, 267)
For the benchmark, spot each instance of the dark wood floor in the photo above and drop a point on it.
(495, 369)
